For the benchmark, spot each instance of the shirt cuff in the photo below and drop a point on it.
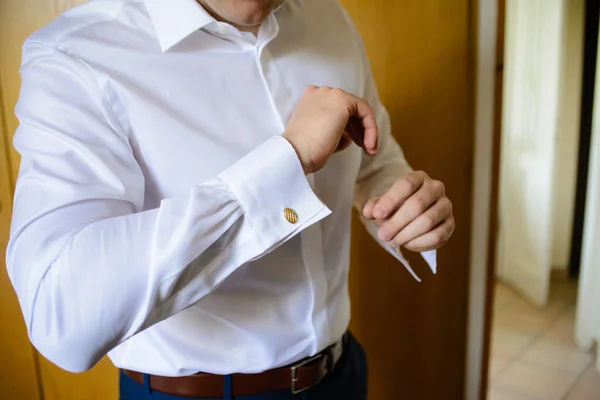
(430, 257)
(269, 180)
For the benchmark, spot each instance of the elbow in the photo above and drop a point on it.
(64, 351)
(56, 326)
(60, 325)
(62, 333)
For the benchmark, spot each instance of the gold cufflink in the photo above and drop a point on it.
(290, 215)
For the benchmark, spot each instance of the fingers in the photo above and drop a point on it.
(414, 213)
(361, 109)
(415, 206)
(398, 194)
(356, 131)
(361, 124)
(433, 239)
(427, 222)
(369, 207)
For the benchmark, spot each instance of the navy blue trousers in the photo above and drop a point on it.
(347, 382)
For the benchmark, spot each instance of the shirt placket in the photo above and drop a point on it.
(311, 238)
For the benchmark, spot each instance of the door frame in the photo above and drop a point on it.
(488, 45)
(590, 52)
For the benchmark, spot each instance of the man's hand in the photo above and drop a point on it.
(324, 121)
(414, 213)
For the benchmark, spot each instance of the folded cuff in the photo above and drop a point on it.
(430, 257)
(269, 180)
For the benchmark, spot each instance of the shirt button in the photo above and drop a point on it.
(222, 29)
(290, 215)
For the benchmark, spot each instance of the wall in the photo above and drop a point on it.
(568, 133)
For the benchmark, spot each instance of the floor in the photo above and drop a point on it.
(533, 354)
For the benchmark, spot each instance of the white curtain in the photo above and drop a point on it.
(587, 326)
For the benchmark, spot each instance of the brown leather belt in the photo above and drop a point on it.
(298, 377)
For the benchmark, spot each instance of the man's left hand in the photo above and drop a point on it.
(414, 213)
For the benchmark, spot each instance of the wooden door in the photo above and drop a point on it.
(415, 334)
(18, 378)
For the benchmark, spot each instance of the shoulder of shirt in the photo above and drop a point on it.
(77, 20)
(330, 8)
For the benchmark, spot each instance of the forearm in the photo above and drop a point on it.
(377, 174)
(91, 274)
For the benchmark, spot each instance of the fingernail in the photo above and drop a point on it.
(379, 212)
(384, 236)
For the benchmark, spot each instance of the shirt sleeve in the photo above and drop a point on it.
(91, 268)
(377, 174)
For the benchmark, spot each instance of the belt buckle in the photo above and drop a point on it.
(295, 372)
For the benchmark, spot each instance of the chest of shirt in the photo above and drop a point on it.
(192, 111)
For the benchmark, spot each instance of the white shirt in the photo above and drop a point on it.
(148, 220)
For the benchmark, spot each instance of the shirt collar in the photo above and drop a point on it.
(174, 20)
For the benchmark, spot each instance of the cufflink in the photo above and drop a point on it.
(290, 215)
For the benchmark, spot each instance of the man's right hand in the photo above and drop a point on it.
(319, 121)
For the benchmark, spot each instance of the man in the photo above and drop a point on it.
(185, 195)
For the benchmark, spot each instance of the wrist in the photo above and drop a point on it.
(307, 164)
